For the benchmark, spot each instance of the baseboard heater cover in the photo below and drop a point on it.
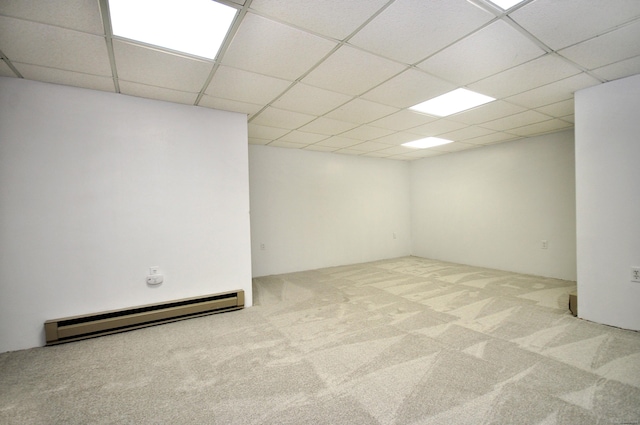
(108, 322)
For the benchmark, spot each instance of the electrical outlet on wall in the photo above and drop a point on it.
(635, 274)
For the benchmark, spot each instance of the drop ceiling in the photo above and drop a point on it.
(339, 76)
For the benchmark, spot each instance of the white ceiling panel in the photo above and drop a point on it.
(366, 132)
(299, 96)
(541, 127)
(403, 120)
(411, 30)
(283, 144)
(397, 150)
(328, 126)
(229, 105)
(350, 151)
(338, 142)
(371, 146)
(557, 110)
(376, 155)
(435, 128)
(267, 47)
(5, 71)
(490, 139)
(569, 118)
(554, 92)
(254, 141)
(625, 68)
(487, 112)
(333, 18)
(408, 89)
(303, 138)
(361, 111)
(80, 15)
(352, 71)
(319, 148)
(153, 67)
(265, 132)
(421, 153)
(517, 120)
(282, 119)
(608, 48)
(158, 93)
(563, 23)
(67, 78)
(454, 147)
(525, 77)
(397, 138)
(477, 56)
(466, 133)
(244, 86)
(54, 47)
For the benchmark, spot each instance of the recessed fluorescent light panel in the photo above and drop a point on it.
(452, 102)
(505, 4)
(428, 142)
(197, 27)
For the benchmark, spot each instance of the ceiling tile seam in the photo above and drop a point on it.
(49, 24)
(231, 33)
(339, 44)
(108, 38)
(8, 62)
(511, 22)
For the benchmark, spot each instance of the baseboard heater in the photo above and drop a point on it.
(108, 322)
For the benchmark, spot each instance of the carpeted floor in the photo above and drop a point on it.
(401, 341)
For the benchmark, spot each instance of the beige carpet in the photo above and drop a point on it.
(402, 341)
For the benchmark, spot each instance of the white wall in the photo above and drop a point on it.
(493, 206)
(313, 210)
(96, 187)
(608, 202)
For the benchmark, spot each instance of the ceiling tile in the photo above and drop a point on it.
(491, 50)
(411, 30)
(265, 132)
(274, 117)
(466, 133)
(67, 78)
(229, 105)
(422, 153)
(254, 141)
(436, 128)
(352, 71)
(320, 148)
(5, 71)
(525, 77)
(454, 147)
(366, 132)
(303, 138)
(489, 139)
(397, 138)
(569, 118)
(371, 146)
(403, 120)
(361, 111)
(153, 67)
(396, 150)
(338, 142)
(310, 100)
(517, 120)
(244, 86)
(606, 49)
(625, 68)
(54, 47)
(554, 92)
(328, 126)
(274, 49)
(559, 109)
(376, 155)
(289, 145)
(563, 23)
(80, 15)
(334, 18)
(487, 112)
(541, 127)
(349, 151)
(158, 93)
(408, 89)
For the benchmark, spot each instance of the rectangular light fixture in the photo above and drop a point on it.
(196, 27)
(505, 4)
(453, 102)
(427, 142)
